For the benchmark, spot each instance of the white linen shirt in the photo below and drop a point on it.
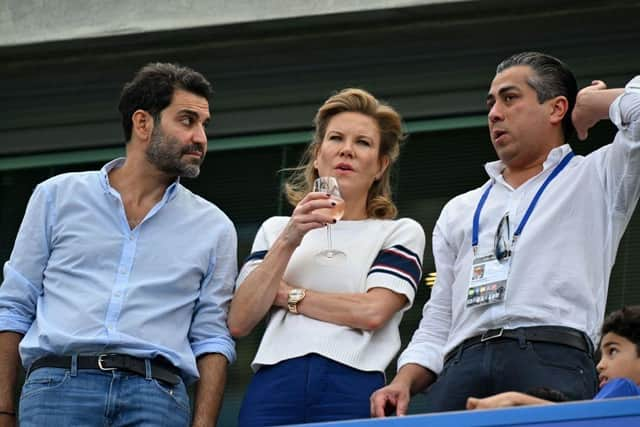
(562, 261)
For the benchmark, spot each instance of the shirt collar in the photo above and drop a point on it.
(494, 169)
(169, 193)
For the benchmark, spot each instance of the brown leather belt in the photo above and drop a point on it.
(161, 369)
(549, 334)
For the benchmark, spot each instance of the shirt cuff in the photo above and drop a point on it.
(221, 344)
(615, 112)
(421, 357)
(12, 324)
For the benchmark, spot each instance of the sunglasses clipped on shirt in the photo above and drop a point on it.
(502, 239)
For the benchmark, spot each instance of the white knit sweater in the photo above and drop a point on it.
(380, 253)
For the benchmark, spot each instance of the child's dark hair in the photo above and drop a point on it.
(626, 323)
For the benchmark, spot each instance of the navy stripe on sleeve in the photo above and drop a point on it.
(255, 255)
(400, 262)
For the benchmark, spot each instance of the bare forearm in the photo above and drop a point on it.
(599, 102)
(210, 389)
(504, 400)
(366, 311)
(9, 365)
(592, 105)
(257, 293)
(415, 376)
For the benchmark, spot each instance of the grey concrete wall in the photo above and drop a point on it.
(36, 21)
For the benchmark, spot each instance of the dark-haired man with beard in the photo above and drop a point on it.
(117, 288)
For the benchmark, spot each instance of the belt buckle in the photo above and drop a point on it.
(491, 334)
(101, 360)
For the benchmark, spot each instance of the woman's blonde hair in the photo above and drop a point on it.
(379, 202)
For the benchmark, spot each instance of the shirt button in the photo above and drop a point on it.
(131, 237)
(117, 293)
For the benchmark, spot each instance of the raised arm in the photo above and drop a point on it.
(257, 292)
(592, 105)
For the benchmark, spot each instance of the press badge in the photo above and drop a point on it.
(488, 281)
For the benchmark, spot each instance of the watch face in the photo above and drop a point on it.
(295, 295)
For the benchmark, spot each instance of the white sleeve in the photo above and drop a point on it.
(428, 341)
(619, 163)
(258, 251)
(398, 265)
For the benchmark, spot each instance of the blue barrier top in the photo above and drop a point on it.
(590, 413)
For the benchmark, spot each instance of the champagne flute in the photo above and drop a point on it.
(329, 185)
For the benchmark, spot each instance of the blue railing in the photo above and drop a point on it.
(601, 413)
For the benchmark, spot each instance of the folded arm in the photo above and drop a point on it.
(367, 311)
(257, 292)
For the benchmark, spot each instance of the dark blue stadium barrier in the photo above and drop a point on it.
(601, 413)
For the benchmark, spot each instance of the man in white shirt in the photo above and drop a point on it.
(524, 261)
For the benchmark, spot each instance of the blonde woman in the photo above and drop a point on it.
(332, 327)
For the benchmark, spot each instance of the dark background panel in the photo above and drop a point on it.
(430, 61)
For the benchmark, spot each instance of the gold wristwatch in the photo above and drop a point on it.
(295, 296)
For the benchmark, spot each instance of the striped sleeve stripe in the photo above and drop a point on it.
(400, 262)
(257, 255)
(402, 251)
(396, 273)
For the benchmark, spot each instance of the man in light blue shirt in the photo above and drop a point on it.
(119, 281)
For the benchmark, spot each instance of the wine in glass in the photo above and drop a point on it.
(329, 185)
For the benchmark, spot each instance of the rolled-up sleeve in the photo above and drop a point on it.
(24, 272)
(619, 164)
(209, 332)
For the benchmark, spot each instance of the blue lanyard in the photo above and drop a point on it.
(476, 216)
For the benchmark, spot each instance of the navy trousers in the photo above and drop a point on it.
(307, 389)
(501, 365)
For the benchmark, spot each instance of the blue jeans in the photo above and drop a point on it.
(501, 365)
(58, 397)
(307, 389)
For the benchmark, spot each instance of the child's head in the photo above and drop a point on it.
(620, 346)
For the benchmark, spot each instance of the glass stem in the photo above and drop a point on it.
(330, 252)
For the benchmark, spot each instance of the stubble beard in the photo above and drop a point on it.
(166, 153)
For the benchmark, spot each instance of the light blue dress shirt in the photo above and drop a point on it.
(79, 280)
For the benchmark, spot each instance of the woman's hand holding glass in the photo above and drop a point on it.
(312, 212)
(329, 185)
